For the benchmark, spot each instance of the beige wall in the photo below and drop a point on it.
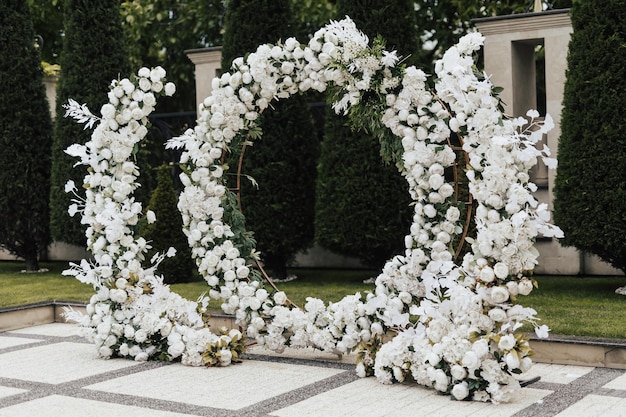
(509, 61)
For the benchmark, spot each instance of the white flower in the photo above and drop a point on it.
(140, 336)
(501, 270)
(542, 331)
(280, 298)
(497, 314)
(170, 89)
(150, 217)
(525, 286)
(499, 295)
(460, 391)
(486, 274)
(507, 342)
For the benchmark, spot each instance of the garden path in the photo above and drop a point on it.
(48, 371)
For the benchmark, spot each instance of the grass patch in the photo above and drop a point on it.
(18, 288)
(577, 306)
(580, 306)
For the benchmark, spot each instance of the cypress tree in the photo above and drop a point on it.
(362, 207)
(167, 231)
(591, 177)
(25, 138)
(93, 55)
(283, 162)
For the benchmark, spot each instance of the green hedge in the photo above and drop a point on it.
(362, 207)
(590, 185)
(167, 231)
(283, 161)
(93, 55)
(25, 138)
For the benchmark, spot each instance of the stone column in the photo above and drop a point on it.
(510, 43)
(208, 62)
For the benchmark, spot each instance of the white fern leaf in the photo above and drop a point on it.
(80, 113)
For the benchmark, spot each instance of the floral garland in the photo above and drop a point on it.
(132, 314)
(464, 341)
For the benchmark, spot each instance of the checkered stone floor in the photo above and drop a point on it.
(47, 371)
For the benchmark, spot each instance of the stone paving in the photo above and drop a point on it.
(47, 371)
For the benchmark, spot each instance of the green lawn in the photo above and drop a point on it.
(568, 305)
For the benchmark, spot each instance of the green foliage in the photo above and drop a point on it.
(591, 177)
(282, 162)
(167, 231)
(362, 206)
(93, 55)
(47, 17)
(159, 32)
(25, 138)
(440, 23)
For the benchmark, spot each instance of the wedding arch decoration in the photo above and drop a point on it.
(448, 325)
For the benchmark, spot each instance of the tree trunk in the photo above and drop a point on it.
(32, 263)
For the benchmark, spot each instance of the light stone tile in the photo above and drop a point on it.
(51, 329)
(8, 391)
(617, 383)
(57, 363)
(11, 341)
(557, 374)
(373, 399)
(596, 406)
(57, 406)
(232, 387)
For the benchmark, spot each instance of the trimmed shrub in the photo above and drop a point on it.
(167, 231)
(283, 163)
(25, 138)
(590, 185)
(93, 55)
(362, 208)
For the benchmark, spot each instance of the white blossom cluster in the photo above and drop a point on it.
(463, 341)
(133, 314)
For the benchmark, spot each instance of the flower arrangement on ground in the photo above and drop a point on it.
(447, 325)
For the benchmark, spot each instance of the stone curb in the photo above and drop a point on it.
(557, 349)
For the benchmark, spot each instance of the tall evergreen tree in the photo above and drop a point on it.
(283, 162)
(93, 55)
(591, 177)
(167, 231)
(25, 138)
(362, 206)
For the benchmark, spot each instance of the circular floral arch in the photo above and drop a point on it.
(447, 325)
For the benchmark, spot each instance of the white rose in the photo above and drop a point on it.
(480, 347)
(486, 274)
(470, 360)
(525, 364)
(501, 270)
(117, 295)
(458, 372)
(430, 211)
(140, 336)
(497, 314)
(149, 99)
(525, 286)
(499, 295)
(512, 360)
(507, 342)
(176, 349)
(513, 288)
(435, 181)
(225, 357)
(453, 214)
(170, 89)
(460, 391)
(108, 111)
(280, 298)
